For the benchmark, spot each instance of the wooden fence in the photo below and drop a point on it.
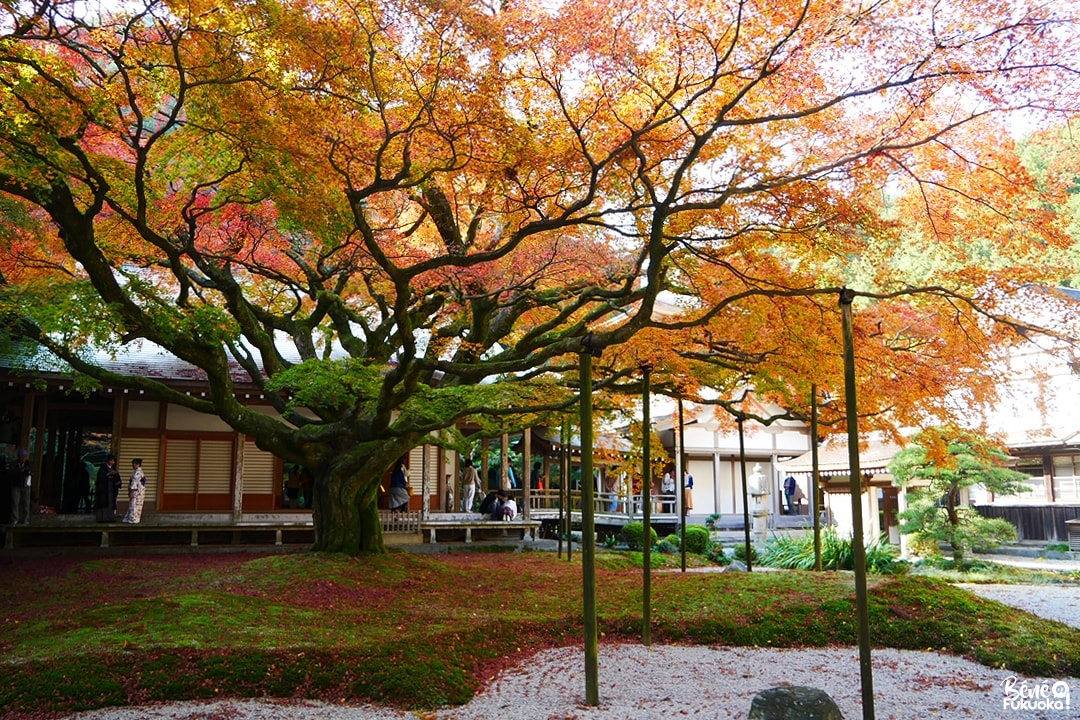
(1044, 523)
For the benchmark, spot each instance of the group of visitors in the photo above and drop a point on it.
(106, 490)
(495, 503)
(298, 487)
(668, 492)
(498, 505)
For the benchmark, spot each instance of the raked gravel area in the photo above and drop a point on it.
(667, 682)
(1056, 602)
(663, 682)
(639, 683)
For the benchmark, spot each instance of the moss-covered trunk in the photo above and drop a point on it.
(341, 522)
(345, 510)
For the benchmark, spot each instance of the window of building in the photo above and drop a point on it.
(1032, 467)
(1067, 478)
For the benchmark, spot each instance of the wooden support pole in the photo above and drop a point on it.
(815, 481)
(588, 534)
(646, 503)
(858, 542)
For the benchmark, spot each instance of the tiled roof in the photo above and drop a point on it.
(140, 358)
(833, 458)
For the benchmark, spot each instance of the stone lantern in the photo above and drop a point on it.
(759, 510)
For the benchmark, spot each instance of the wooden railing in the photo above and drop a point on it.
(151, 533)
(545, 503)
(400, 522)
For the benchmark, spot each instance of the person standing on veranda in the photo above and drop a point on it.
(136, 493)
(399, 488)
(470, 483)
(789, 494)
(19, 481)
(667, 489)
(106, 490)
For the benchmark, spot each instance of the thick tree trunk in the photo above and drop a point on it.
(346, 513)
(345, 509)
(954, 524)
(371, 539)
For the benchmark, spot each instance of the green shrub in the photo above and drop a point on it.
(966, 565)
(796, 552)
(710, 522)
(697, 539)
(1057, 547)
(791, 552)
(633, 535)
(988, 535)
(922, 545)
(883, 557)
(637, 559)
(740, 552)
(669, 545)
(716, 555)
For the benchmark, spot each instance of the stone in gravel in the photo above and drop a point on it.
(735, 566)
(794, 702)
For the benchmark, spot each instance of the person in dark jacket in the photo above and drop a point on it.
(19, 481)
(493, 504)
(399, 488)
(789, 494)
(106, 489)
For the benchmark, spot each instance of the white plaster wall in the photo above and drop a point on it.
(181, 418)
(704, 485)
(839, 505)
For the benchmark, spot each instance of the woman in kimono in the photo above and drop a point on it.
(136, 492)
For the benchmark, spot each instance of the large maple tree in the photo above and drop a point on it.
(432, 204)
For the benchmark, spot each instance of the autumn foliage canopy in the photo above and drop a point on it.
(376, 208)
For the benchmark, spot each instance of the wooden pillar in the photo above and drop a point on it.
(53, 456)
(445, 479)
(117, 425)
(456, 468)
(425, 482)
(238, 476)
(27, 425)
(163, 424)
(484, 470)
(64, 474)
(527, 469)
(504, 462)
(40, 437)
